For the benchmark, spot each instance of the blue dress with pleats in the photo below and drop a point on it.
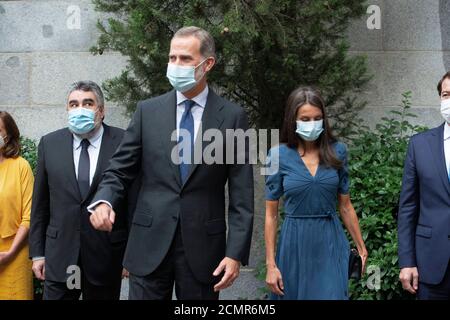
(313, 251)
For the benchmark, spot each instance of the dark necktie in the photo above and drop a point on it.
(186, 123)
(84, 169)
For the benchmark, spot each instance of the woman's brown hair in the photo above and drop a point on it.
(298, 98)
(11, 149)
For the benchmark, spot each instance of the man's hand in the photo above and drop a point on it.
(39, 269)
(5, 258)
(103, 217)
(231, 268)
(409, 278)
(125, 273)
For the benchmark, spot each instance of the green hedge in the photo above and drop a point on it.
(376, 169)
(29, 151)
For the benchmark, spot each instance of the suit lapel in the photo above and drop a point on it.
(67, 158)
(436, 141)
(167, 116)
(212, 118)
(105, 153)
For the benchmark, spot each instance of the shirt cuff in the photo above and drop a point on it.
(92, 206)
(37, 258)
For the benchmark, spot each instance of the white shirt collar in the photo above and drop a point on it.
(199, 99)
(446, 131)
(94, 140)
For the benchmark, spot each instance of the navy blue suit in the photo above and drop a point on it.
(424, 213)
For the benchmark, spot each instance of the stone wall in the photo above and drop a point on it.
(411, 51)
(40, 57)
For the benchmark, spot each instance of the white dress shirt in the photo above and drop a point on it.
(93, 150)
(196, 110)
(447, 146)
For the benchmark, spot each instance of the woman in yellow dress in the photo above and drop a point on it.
(16, 187)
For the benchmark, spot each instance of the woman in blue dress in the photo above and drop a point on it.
(309, 170)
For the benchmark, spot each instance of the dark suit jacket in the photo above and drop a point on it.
(424, 214)
(60, 228)
(199, 204)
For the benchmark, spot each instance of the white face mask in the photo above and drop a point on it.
(445, 110)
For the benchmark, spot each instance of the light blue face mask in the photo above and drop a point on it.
(309, 130)
(182, 78)
(2, 141)
(81, 120)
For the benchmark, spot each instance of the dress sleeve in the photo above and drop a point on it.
(344, 181)
(26, 185)
(274, 179)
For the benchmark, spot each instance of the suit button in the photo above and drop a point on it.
(175, 218)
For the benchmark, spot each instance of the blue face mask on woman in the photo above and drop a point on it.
(182, 78)
(81, 120)
(309, 130)
(2, 141)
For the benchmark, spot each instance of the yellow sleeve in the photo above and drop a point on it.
(26, 185)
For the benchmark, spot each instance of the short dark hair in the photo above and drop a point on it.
(207, 45)
(439, 86)
(89, 86)
(11, 149)
(298, 98)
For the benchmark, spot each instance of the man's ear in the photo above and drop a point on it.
(210, 63)
(102, 110)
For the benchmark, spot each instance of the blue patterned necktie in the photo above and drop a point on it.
(186, 123)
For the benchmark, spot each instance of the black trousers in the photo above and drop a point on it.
(174, 269)
(59, 290)
(440, 291)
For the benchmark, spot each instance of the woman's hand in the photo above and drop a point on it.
(5, 258)
(363, 254)
(351, 222)
(274, 280)
(20, 240)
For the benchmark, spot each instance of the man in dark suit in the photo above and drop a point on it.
(70, 165)
(178, 234)
(424, 214)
